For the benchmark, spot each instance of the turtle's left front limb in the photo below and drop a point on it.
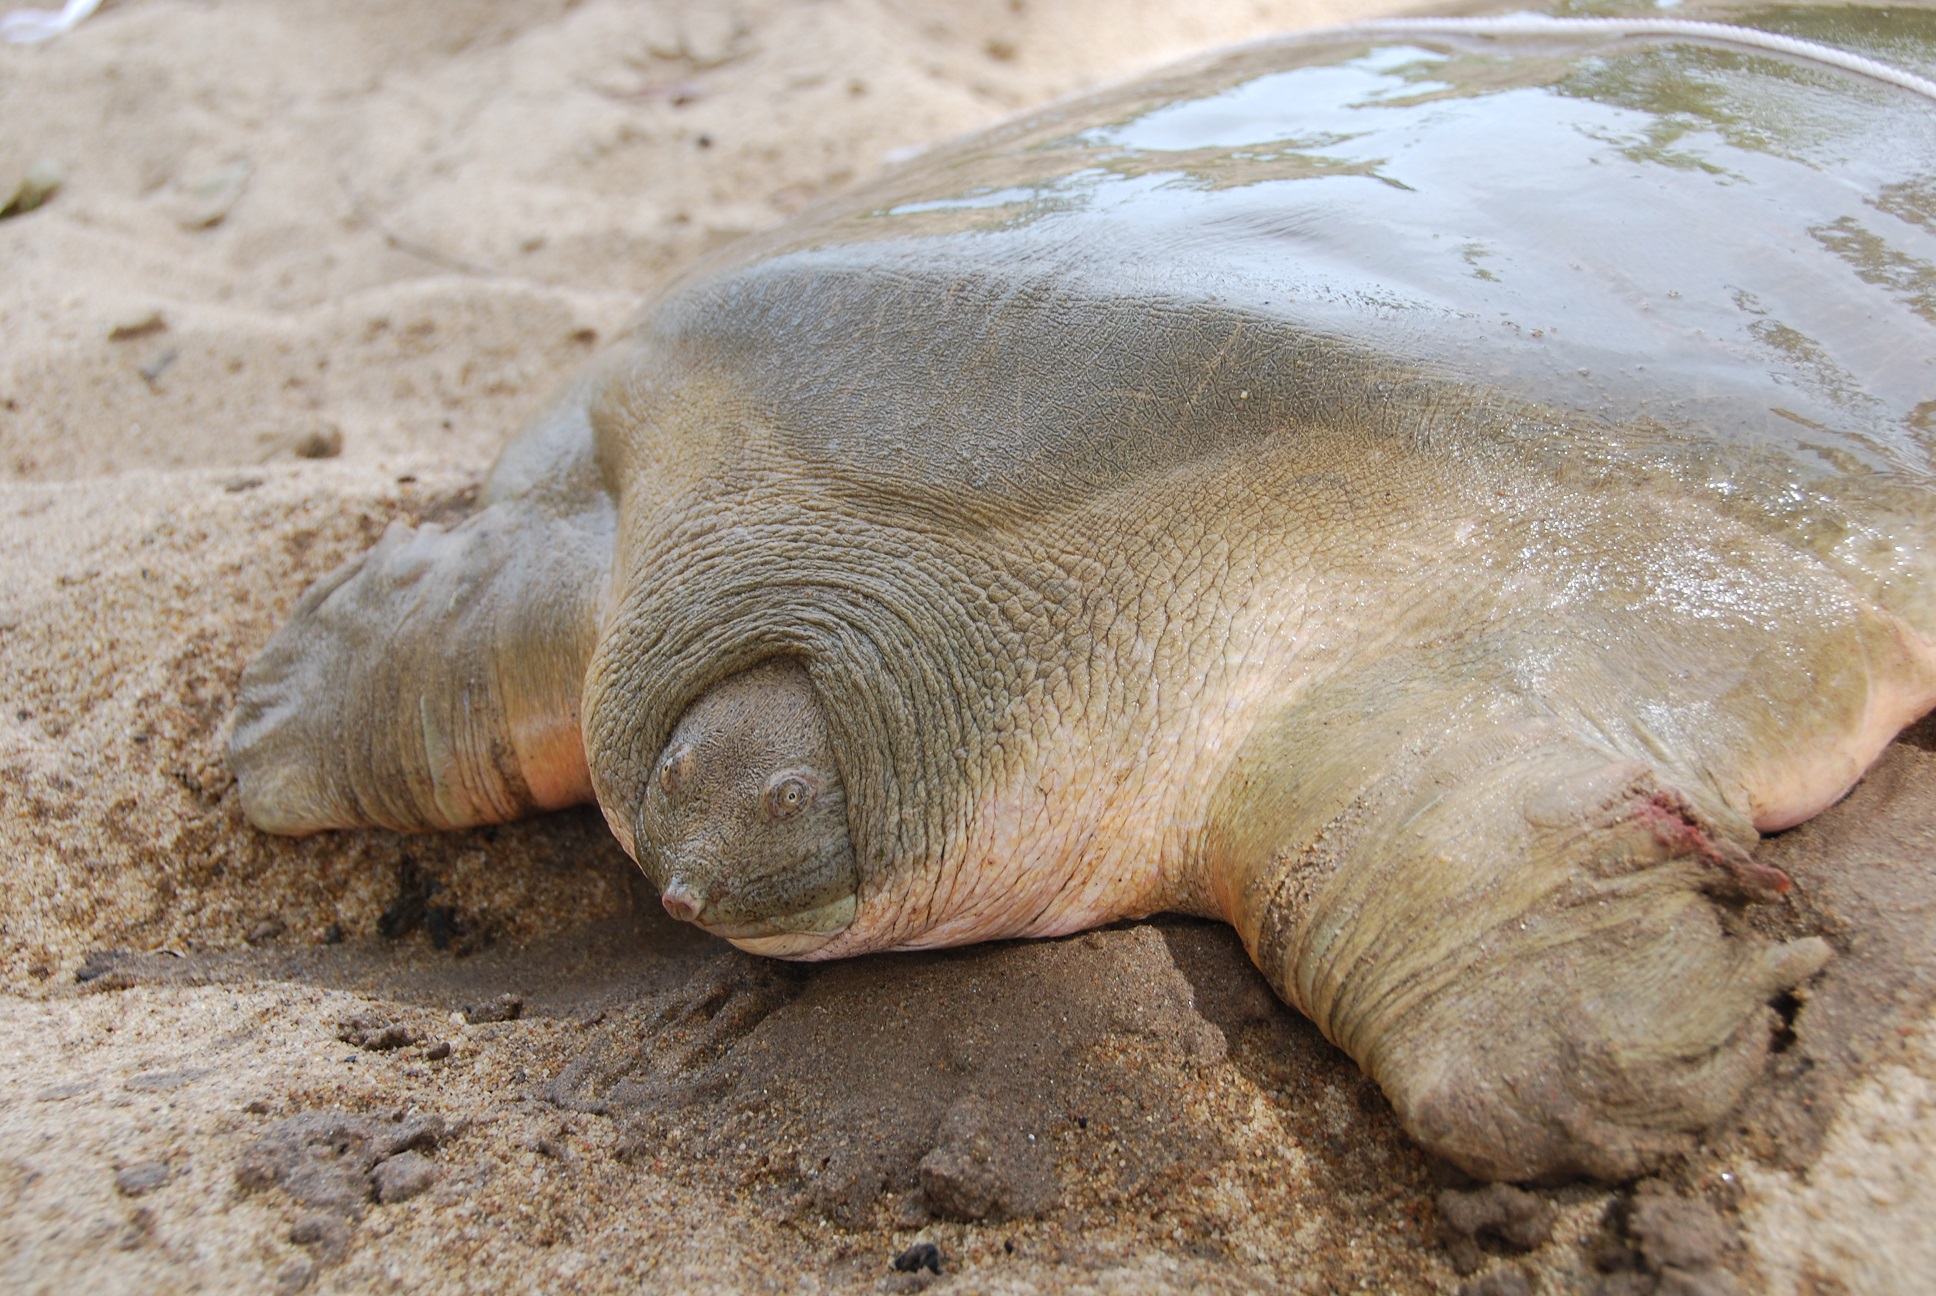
(434, 681)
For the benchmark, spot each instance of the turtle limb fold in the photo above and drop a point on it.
(433, 682)
(1539, 951)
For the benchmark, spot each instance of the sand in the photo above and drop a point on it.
(310, 264)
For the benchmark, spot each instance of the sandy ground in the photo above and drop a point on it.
(310, 264)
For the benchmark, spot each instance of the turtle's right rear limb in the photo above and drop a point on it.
(1535, 946)
(433, 682)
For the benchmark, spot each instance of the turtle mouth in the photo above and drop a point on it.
(783, 935)
(786, 945)
(791, 935)
(823, 920)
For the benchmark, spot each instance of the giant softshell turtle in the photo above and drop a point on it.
(1429, 495)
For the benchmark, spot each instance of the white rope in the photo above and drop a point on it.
(1529, 24)
(26, 26)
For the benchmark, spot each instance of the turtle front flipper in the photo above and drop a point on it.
(1538, 948)
(434, 681)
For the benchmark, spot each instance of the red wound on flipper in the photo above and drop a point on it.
(1677, 826)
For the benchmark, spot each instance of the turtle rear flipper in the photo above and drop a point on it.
(434, 681)
(1538, 949)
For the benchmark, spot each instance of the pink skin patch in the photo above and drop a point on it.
(1676, 826)
(551, 758)
(1784, 798)
(681, 903)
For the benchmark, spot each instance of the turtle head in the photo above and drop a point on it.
(745, 820)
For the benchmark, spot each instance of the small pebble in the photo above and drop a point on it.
(324, 442)
(295, 1276)
(61, 1093)
(42, 181)
(922, 1255)
(146, 326)
(438, 1052)
(403, 1176)
(506, 1007)
(326, 1235)
(139, 1180)
(266, 930)
(204, 201)
(378, 1037)
(155, 368)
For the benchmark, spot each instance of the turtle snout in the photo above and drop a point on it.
(683, 901)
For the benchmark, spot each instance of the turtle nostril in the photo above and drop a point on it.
(681, 902)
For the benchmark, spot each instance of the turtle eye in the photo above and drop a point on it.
(789, 794)
(675, 769)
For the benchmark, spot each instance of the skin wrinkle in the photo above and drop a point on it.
(846, 578)
(1086, 877)
(418, 602)
(951, 882)
(1338, 963)
(1216, 578)
(373, 806)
